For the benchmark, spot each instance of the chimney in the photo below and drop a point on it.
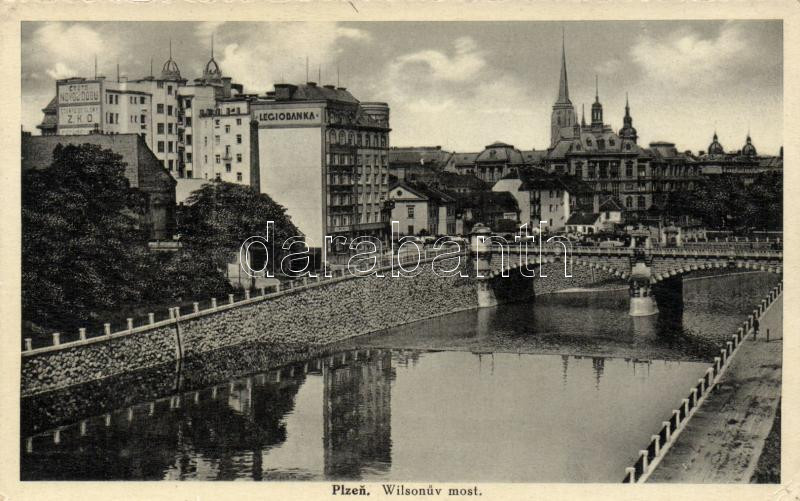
(331, 87)
(283, 92)
(311, 84)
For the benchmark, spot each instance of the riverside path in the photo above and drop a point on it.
(724, 439)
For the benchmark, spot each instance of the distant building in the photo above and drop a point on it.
(744, 163)
(459, 183)
(418, 207)
(143, 170)
(498, 210)
(418, 163)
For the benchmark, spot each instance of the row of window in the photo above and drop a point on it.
(365, 139)
(114, 99)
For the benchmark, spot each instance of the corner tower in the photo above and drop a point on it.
(563, 118)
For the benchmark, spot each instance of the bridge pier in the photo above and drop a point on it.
(642, 301)
(479, 240)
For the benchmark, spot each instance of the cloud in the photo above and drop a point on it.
(65, 50)
(260, 55)
(464, 65)
(684, 59)
(353, 33)
(435, 94)
(608, 67)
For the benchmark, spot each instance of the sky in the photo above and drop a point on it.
(461, 85)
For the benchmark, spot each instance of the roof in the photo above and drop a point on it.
(583, 218)
(142, 168)
(424, 191)
(312, 92)
(418, 156)
(498, 152)
(533, 157)
(452, 180)
(488, 202)
(611, 204)
(464, 158)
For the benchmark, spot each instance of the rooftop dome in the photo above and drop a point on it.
(749, 150)
(170, 69)
(498, 152)
(715, 148)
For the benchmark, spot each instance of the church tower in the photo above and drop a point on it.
(628, 131)
(597, 108)
(563, 119)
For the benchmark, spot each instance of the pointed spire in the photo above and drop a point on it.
(151, 66)
(212, 46)
(563, 86)
(596, 90)
(583, 115)
(627, 107)
(170, 49)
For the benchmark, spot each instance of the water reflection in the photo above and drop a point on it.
(377, 415)
(483, 413)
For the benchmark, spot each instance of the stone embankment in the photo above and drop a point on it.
(312, 314)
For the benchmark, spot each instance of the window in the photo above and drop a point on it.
(171, 165)
(188, 139)
(189, 158)
(239, 176)
(238, 158)
(110, 99)
(217, 176)
(160, 85)
(116, 98)
(160, 108)
(238, 121)
(142, 119)
(169, 146)
(227, 129)
(216, 139)
(579, 170)
(410, 209)
(188, 121)
(205, 140)
(227, 167)
(238, 139)
(629, 202)
(169, 110)
(217, 158)
(410, 229)
(629, 169)
(169, 90)
(160, 146)
(189, 173)
(640, 201)
(169, 128)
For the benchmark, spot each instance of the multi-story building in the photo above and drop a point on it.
(745, 163)
(323, 155)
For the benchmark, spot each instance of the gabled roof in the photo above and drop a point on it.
(611, 204)
(423, 191)
(583, 218)
(451, 180)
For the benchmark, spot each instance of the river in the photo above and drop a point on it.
(568, 388)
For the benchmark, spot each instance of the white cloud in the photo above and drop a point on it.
(258, 58)
(66, 50)
(465, 65)
(608, 67)
(353, 33)
(455, 99)
(686, 60)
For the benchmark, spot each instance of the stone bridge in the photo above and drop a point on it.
(641, 265)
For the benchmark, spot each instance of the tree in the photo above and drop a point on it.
(82, 246)
(220, 216)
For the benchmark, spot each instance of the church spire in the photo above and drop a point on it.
(583, 115)
(563, 86)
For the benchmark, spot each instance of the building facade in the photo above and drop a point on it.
(323, 155)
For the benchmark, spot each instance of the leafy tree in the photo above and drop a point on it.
(726, 202)
(220, 216)
(82, 247)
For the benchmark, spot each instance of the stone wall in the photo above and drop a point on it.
(299, 319)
